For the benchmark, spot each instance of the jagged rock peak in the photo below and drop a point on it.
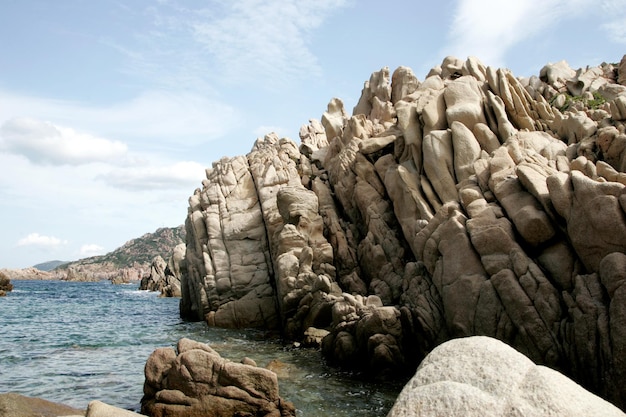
(471, 203)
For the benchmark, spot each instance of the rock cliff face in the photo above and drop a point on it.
(471, 203)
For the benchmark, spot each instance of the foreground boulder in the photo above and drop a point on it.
(197, 381)
(99, 409)
(481, 376)
(16, 405)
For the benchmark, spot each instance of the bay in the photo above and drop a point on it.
(76, 342)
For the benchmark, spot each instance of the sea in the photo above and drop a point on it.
(72, 343)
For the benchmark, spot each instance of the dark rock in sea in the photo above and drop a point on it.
(196, 381)
(165, 277)
(5, 284)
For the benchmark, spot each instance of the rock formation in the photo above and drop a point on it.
(165, 277)
(129, 262)
(196, 381)
(79, 275)
(471, 203)
(31, 273)
(5, 284)
(97, 408)
(127, 276)
(483, 377)
(16, 405)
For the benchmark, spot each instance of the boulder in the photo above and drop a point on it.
(195, 380)
(16, 405)
(155, 281)
(99, 409)
(481, 376)
(5, 284)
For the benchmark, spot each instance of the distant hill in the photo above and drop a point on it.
(135, 254)
(49, 266)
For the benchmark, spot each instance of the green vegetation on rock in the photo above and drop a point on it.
(570, 100)
(49, 266)
(137, 251)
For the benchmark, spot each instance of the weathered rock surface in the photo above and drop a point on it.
(196, 381)
(99, 409)
(470, 203)
(165, 277)
(31, 273)
(5, 284)
(128, 263)
(481, 376)
(16, 405)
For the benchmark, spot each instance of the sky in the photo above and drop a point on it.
(111, 110)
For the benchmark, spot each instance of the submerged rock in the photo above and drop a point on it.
(195, 380)
(481, 376)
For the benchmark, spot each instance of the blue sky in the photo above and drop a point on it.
(110, 110)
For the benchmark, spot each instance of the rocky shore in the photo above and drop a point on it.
(31, 273)
(165, 276)
(467, 230)
(473, 376)
(470, 203)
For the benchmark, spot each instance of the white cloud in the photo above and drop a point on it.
(145, 178)
(45, 143)
(35, 239)
(489, 28)
(91, 249)
(615, 12)
(261, 131)
(246, 41)
(175, 117)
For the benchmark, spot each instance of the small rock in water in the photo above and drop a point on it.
(200, 380)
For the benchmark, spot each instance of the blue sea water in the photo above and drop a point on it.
(76, 342)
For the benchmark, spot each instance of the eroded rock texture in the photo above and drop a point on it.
(194, 380)
(481, 376)
(471, 203)
(165, 276)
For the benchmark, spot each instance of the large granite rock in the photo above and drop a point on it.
(16, 405)
(97, 408)
(472, 203)
(195, 381)
(483, 377)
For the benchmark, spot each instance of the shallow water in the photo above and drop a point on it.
(76, 342)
